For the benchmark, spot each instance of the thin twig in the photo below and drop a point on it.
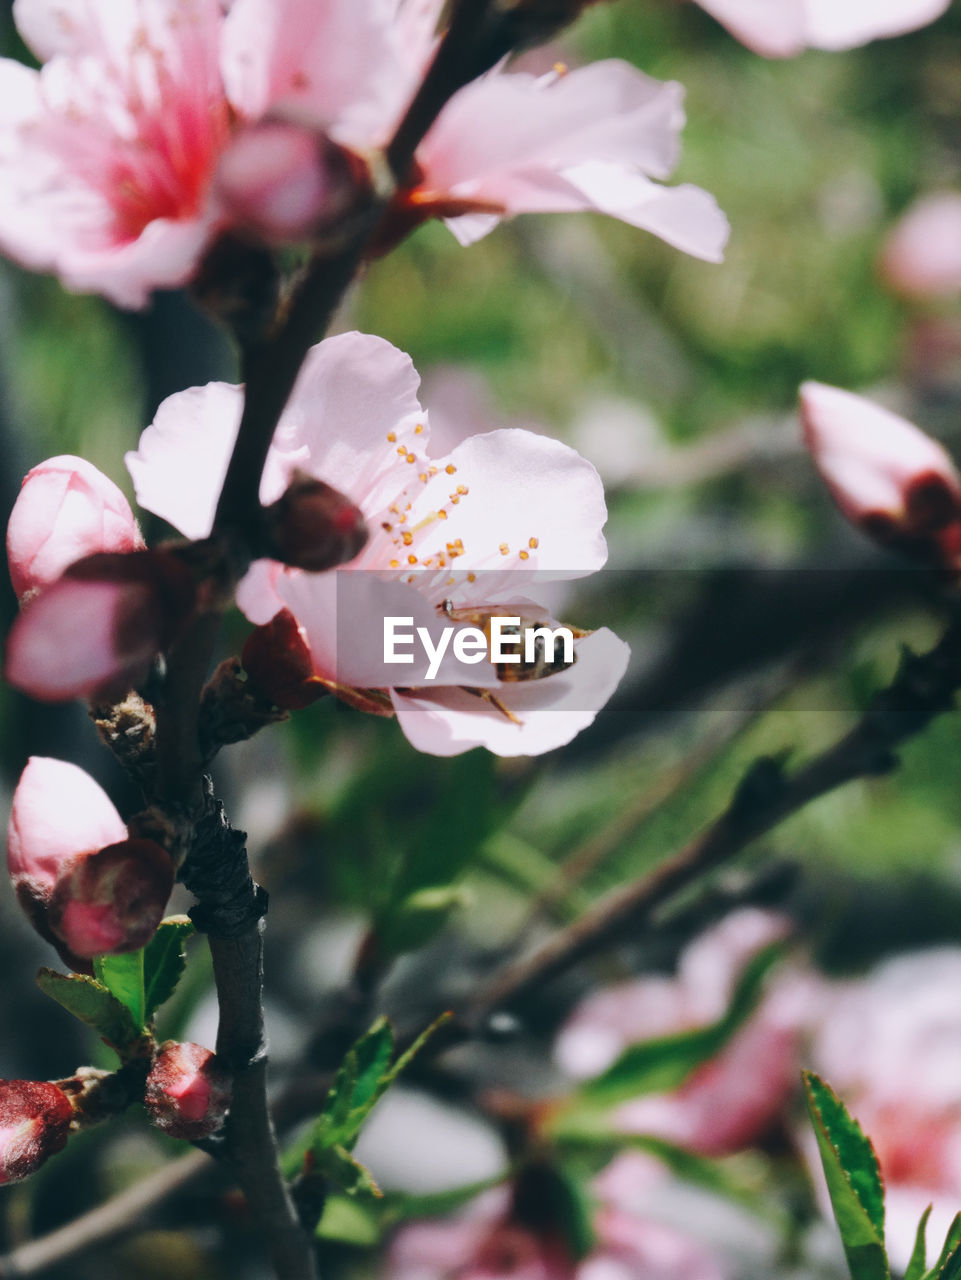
(923, 688)
(111, 1220)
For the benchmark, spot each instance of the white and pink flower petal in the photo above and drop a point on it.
(546, 713)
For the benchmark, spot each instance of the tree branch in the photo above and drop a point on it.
(111, 1220)
(923, 688)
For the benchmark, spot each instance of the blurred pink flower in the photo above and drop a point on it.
(154, 123)
(491, 1241)
(889, 1044)
(922, 255)
(477, 527)
(83, 883)
(886, 475)
(734, 1099)
(66, 509)
(783, 28)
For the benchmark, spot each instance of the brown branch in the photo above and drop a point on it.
(923, 688)
(110, 1221)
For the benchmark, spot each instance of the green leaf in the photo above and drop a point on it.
(348, 1221)
(364, 1077)
(919, 1255)
(337, 1164)
(91, 1002)
(164, 961)
(122, 975)
(948, 1265)
(658, 1066)
(854, 1181)
(418, 918)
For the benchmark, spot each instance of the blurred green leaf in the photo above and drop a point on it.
(657, 1066)
(123, 976)
(91, 1002)
(854, 1181)
(339, 1167)
(412, 922)
(164, 961)
(918, 1262)
(948, 1265)
(348, 1221)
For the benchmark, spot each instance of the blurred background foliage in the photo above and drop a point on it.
(760, 623)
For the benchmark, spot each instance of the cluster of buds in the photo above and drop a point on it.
(86, 885)
(890, 479)
(188, 1091)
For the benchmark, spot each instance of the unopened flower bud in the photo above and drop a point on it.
(85, 886)
(95, 631)
(887, 476)
(66, 509)
(284, 182)
(922, 256)
(111, 900)
(313, 526)
(277, 660)
(188, 1092)
(34, 1119)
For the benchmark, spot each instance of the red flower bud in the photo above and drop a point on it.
(313, 526)
(188, 1092)
(111, 900)
(278, 662)
(94, 632)
(34, 1119)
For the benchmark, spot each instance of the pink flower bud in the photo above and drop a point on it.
(887, 476)
(67, 509)
(313, 526)
(188, 1092)
(922, 257)
(94, 632)
(111, 900)
(58, 812)
(284, 182)
(83, 884)
(34, 1119)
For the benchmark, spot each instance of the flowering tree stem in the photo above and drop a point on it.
(923, 688)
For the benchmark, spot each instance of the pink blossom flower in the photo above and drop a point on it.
(83, 883)
(889, 1044)
(887, 476)
(34, 1121)
(492, 1241)
(187, 1092)
(146, 132)
(592, 138)
(735, 1098)
(478, 527)
(922, 255)
(783, 28)
(66, 509)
